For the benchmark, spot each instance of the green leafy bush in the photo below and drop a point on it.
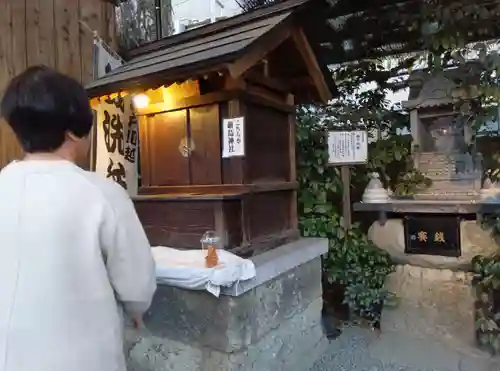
(487, 283)
(353, 261)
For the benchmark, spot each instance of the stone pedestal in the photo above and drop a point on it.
(435, 292)
(474, 241)
(270, 323)
(435, 304)
(434, 323)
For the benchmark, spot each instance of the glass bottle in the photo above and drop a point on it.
(210, 242)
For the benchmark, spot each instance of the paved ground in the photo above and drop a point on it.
(359, 349)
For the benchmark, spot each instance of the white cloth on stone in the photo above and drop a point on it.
(186, 269)
(72, 253)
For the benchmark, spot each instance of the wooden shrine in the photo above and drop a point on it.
(255, 66)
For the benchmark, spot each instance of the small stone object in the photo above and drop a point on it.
(375, 191)
(490, 191)
(488, 184)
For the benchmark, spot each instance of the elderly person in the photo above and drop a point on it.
(73, 253)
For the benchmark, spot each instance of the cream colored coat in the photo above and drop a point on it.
(72, 253)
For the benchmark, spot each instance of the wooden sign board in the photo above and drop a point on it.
(347, 147)
(432, 235)
(233, 137)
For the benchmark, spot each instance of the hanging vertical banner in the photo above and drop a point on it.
(233, 135)
(116, 142)
(116, 137)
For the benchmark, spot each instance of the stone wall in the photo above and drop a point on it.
(275, 326)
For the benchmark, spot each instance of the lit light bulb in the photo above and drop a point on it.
(141, 101)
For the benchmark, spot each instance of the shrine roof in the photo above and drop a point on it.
(201, 50)
(430, 91)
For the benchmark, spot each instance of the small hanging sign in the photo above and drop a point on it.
(233, 134)
(347, 147)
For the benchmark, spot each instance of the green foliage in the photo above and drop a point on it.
(362, 268)
(411, 183)
(353, 261)
(487, 283)
(447, 47)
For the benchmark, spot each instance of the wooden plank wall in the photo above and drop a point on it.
(48, 32)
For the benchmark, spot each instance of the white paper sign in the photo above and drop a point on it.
(105, 59)
(346, 147)
(233, 134)
(116, 126)
(117, 142)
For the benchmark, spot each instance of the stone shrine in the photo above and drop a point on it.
(442, 146)
(434, 234)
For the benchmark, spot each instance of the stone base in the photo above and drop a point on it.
(474, 241)
(435, 304)
(275, 325)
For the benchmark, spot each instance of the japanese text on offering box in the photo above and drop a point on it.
(432, 235)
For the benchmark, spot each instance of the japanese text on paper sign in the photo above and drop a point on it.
(233, 137)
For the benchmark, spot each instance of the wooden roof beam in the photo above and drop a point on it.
(258, 50)
(114, 2)
(311, 63)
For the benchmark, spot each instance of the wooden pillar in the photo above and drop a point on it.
(416, 134)
(345, 174)
(294, 219)
(236, 165)
(220, 223)
(234, 168)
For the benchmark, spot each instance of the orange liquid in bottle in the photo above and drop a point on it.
(212, 259)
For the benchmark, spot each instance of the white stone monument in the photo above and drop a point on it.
(375, 191)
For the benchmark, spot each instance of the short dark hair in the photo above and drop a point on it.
(41, 105)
